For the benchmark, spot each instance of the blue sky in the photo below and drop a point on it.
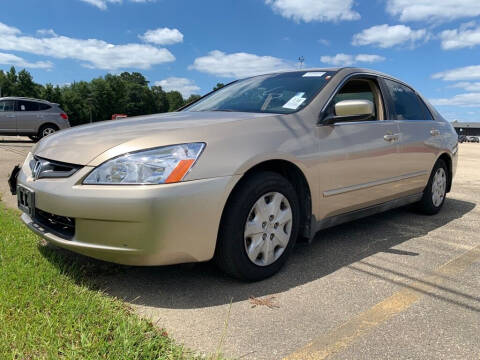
(190, 45)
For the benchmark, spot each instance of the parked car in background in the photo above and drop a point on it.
(241, 173)
(462, 138)
(473, 139)
(31, 117)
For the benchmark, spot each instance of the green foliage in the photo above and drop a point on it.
(218, 86)
(51, 306)
(127, 93)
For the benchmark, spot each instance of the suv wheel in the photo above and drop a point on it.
(46, 130)
(436, 190)
(259, 227)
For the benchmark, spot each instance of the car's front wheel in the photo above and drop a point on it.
(436, 189)
(259, 227)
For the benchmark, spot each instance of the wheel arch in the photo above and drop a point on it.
(49, 123)
(295, 176)
(447, 159)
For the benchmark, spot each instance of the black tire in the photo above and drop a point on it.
(231, 255)
(46, 130)
(426, 205)
(33, 138)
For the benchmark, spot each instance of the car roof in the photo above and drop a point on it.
(27, 98)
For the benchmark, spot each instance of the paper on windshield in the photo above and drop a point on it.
(295, 101)
(314, 74)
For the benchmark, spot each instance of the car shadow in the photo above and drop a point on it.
(203, 285)
(16, 141)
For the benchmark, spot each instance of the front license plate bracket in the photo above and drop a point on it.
(26, 200)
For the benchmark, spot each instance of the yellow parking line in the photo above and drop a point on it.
(340, 338)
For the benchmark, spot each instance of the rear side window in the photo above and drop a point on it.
(428, 114)
(6, 105)
(43, 106)
(406, 104)
(23, 105)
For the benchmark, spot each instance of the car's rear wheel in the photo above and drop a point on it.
(46, 130)
(259, 227)
(436, 190)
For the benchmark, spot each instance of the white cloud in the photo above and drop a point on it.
(237, 64)
(347, 60)
(464, 73)
(462, 100)
(162, 36)
(468, 86)
(46, 32)
(93, 53)
(386, 36)
(185, 86)
(466, 36)
(103, 4)
(324, 42)
(433, 10)
(10, 59)
(314, 10)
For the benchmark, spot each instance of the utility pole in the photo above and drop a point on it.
(301, 60)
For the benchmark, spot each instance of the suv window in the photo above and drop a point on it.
(23, 105)
(42, 106)
(6, 105)
(406, 104)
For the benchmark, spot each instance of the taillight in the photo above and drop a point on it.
(64, 116)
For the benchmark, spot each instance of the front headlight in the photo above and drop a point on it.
(167, 164)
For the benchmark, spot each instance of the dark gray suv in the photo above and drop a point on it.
(31, 117)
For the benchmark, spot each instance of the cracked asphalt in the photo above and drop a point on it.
(396, 285)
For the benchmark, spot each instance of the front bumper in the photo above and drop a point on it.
(133, 225)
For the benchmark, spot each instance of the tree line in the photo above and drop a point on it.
(100, 98)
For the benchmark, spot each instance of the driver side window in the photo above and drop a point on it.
(360, 89)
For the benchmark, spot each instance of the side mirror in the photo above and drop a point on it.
(351, 110)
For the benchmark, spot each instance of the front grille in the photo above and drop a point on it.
(61, 226)
(44, 168)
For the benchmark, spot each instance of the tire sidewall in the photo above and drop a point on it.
(232, 234)
(427, 201)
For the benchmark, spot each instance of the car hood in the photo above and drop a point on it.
(83, 144)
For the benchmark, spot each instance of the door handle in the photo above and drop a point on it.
(434, 132)
(391, 137)
(11, 116)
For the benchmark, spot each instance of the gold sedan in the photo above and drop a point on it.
(240, 174)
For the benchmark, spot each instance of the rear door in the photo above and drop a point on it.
(358, 166)
(8, 121)
(27, 116)
(420, 134)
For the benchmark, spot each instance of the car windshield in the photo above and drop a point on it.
(275, 93)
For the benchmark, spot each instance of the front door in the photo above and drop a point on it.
(358, 166)
(8, 121)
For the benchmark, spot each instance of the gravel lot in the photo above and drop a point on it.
(393, 286)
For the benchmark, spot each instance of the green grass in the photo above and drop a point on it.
(49, 308)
